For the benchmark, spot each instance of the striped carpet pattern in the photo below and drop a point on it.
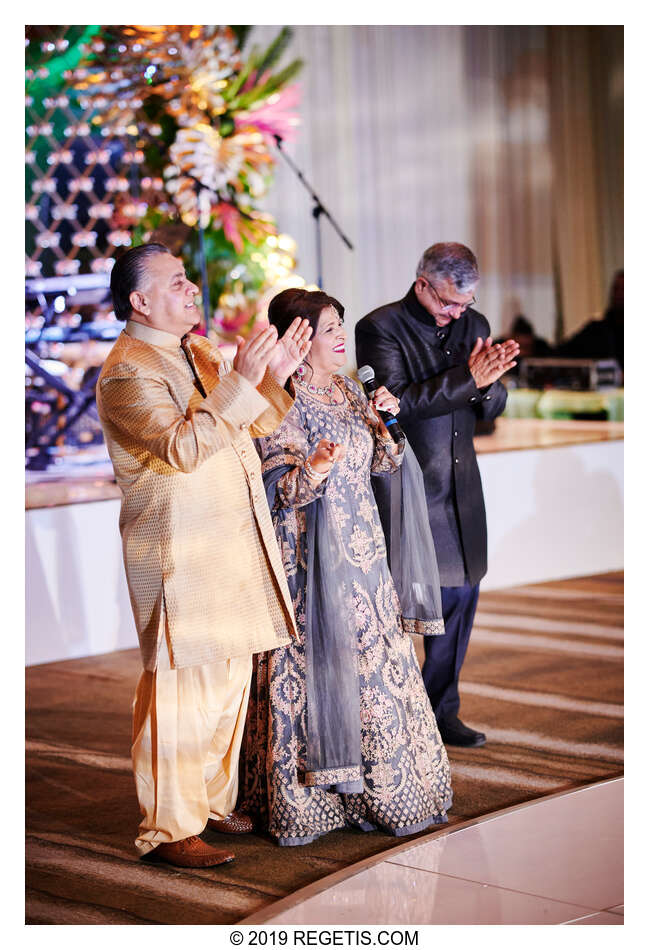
(543, 679)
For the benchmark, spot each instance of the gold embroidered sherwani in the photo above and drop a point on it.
(204, 571)
(199, 546)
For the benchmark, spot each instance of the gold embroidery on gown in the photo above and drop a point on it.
(406, 774)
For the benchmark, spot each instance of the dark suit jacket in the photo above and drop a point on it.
(427, 368)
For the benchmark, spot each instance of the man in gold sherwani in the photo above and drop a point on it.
(204, 572)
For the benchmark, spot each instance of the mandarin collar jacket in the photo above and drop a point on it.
(427, 368)
(202, 563)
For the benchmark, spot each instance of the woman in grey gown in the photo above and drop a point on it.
(340, 731)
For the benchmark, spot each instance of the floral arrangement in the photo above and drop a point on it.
(202, 117)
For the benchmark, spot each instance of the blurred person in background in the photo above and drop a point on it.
(601, 339)
(522, 332)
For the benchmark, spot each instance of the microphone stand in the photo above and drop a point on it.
(202, 257)
(205, 286)
(318, 210)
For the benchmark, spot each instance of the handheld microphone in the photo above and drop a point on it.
(367, 378)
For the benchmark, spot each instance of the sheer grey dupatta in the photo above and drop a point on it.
(332, 687)
(401, 500)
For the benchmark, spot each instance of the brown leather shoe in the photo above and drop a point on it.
(190, 852)
(236, 823)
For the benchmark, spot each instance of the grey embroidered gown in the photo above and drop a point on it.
(405, 770)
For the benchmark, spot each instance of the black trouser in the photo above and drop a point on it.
(445, 654)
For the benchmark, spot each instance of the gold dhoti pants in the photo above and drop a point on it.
(187, 731)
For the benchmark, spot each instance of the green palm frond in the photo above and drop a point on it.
(276, 49)
(272, 84)
(230, 92)
(260, 62)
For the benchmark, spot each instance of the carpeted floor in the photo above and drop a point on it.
(543, 679)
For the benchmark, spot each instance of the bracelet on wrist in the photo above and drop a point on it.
(311, 472)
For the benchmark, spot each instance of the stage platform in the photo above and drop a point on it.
(88, 474)
(553, 493)
(543, 678)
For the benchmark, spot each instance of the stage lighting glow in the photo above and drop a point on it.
(48, 239)
(59, 304)
(193, 68)
(66, 268)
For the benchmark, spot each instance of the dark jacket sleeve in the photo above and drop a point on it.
(492, 398)
(438, 395)
(492, 401)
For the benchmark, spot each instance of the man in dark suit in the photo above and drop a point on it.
(435, 352)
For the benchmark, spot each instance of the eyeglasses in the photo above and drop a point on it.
(447, 305)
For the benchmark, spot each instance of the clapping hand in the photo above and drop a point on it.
(253, 355)
(326, 453)
(290, 350)
(488, 361)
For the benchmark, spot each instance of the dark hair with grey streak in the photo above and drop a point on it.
(450, 261)
(127, 275)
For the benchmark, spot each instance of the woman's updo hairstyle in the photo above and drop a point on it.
(297, 302)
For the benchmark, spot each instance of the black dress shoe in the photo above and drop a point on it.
(454, 732)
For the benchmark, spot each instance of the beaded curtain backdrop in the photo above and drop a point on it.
(139, 133)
